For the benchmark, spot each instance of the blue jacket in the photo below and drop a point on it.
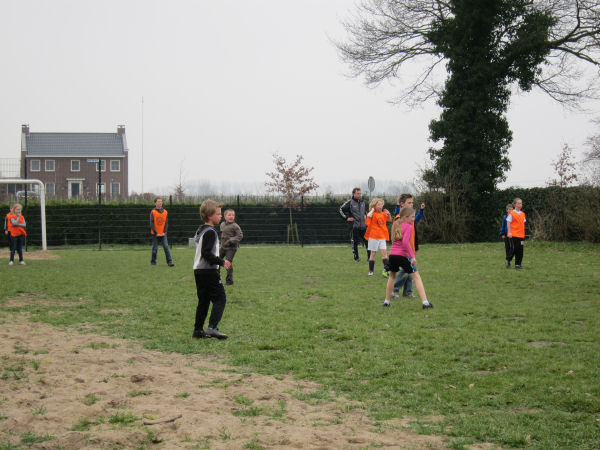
(504, 227)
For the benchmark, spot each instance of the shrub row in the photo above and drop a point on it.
(553, 213)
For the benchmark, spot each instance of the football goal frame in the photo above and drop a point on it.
(42, 193)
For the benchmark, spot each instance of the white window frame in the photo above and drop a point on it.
(46, 165)
(118, 169)
(51, 188)
(39, 164)
(78, 161)
(113, 184)
(71, 181)
(102, 165)
(102, 188)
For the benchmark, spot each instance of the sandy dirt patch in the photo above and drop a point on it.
(63, 389)
(37, 255)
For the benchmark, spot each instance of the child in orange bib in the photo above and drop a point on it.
(515, 222)
(14, 227)
(377, 233)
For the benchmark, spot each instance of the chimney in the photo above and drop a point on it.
(25, 128)
(121, 130)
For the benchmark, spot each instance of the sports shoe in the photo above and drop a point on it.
(411, 295)
(518, 267)
(386, 303)
(10, 263)
(428, 305)
(214, 332)
(152, 263)
(22, 263)
(385, 274)
(507, 264)
(370, 274)
(198, 334)
(356, 258)
(395, 295)
(170, 264)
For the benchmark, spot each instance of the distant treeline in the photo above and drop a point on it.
(553, 213)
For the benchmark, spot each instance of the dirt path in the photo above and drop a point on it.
(63, 389)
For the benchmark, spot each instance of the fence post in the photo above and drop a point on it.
(99, 189)
(302, 221)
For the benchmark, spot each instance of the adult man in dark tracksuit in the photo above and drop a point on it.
(354, 212)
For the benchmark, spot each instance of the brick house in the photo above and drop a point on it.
(67, 163)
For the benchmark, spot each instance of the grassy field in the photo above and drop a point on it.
(508, 357)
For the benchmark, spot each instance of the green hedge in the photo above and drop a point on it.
(553, 213)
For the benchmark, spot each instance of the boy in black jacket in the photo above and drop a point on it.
(206, 273)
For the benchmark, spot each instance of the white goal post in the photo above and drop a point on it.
(42, 201)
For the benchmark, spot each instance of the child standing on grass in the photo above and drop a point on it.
(231, 235)
(402, 279)
(505, 238)
(516, 233)
(402, 256)
(377, 233)
(206, 273)
(158, 229)
(14, 228)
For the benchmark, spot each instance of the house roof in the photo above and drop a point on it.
(75, 144)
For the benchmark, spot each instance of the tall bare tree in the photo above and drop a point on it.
(591, 159)
(394, 39)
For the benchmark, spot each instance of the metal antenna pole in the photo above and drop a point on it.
(142, 145)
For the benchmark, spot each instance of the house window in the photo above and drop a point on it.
(50, 188)
(35, 165)
(49, 165)
(115, 165)
(101, 187)
(115, 188)
(75, 165)
(102, 165)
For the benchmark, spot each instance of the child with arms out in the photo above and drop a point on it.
(231, 235)
(402, 256)
(206, 273)
(377, 233)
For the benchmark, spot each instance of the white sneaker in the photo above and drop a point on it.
(10, 263)
(22, 263)
(395, 295)
(386, 303)
(370, 274)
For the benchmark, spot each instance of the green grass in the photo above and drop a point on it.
(508, 357)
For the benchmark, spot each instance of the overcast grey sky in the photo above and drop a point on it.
(225, 85)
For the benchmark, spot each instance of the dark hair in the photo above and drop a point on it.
(403, 197)
(354, 190)
(156, 199)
